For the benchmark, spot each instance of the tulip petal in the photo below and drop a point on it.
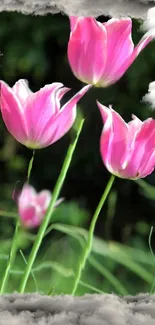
(105, 111)
(12, 113)
(145, 140)
(27, 215)
(147, 161)
(43, 199)
(119, 46)
(22, 90)
(134, 125)
(142, 44)
(86, 49)
(58, 96)
(119, 142)
(31, 216)
(134, 128)
(105, 139)
(149, 166)
(62, 124)
(73, 22)
(63, 121)
(113, 143)
(27, 195)
(58, 202)
(32, 206)
(40, 107)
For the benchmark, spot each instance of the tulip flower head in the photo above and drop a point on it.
(36, 119)
(127, 149)
(100, 53)
(32, 206)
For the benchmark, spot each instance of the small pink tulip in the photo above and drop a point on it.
(100, 53)
(35, 119)
(127, 149)
(32, 206)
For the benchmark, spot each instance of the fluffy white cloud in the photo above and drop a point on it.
(150, 97)
(33, 309)
(116, 8)
(149, 23)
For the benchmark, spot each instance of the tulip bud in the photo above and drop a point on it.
(32, 206)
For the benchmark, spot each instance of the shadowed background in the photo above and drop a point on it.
(34, 48)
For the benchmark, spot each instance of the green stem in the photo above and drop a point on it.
(11, 259)
(14, 245)
(30, 166)
(47, 218)
(88, 246)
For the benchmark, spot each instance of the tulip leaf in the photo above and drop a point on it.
(109, 250)
(54, 265)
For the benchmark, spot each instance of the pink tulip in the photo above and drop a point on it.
(127, 149)
(100, 53)
(32, 206)
(35, 119)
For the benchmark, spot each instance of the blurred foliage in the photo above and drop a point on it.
(34, 48)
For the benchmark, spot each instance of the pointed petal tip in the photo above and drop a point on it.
(104, 110)
(54, 85)
(126, 21)
(101, 106)
(134, 117)
(82, 91)
(121, 20)
(73, 101)
(87, 87)
(110, 107)
(23, 81)
(145, 40)
(4, 84)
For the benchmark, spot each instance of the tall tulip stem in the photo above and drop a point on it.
(14, 246)
(47, 218)
(88, 246)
